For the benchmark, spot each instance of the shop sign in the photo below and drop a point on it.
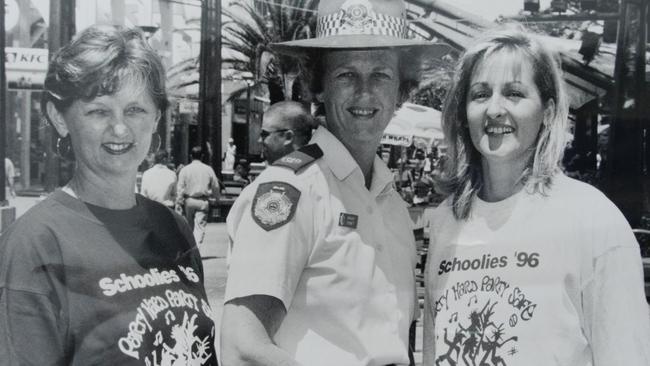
(399, 140)
(26, 59)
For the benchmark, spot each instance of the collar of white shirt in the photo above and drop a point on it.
(342, 164)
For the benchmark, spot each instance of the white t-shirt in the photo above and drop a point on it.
(159, 184)
(536, 280)
(342, 265)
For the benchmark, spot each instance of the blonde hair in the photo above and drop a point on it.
(462, 175)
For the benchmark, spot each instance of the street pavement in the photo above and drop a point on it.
(213, 253)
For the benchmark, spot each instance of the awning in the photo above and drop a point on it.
(584, 83)
(413, 124)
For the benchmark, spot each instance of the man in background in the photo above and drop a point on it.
(159, 182)
(286, 127)
(10, 174)
(197, 183)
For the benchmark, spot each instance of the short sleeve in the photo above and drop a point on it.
(32, 309)
(263, 261)
(617, 317)
(616, 313)
(428, 345)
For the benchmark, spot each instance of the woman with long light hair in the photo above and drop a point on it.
(526, 266)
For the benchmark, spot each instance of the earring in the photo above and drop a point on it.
(64, 148)
(156, 141)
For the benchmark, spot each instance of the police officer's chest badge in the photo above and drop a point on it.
(274, 204)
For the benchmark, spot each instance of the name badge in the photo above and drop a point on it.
(348, 220)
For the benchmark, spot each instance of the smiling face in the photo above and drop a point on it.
(504, 108)
(110, 134)
(360, 93)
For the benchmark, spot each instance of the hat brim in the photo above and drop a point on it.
(304, 47)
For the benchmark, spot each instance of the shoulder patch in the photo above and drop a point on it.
(300, 158)
(274, 204)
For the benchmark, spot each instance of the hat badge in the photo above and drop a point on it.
(355, 14)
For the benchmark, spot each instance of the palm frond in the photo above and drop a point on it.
(249, 32)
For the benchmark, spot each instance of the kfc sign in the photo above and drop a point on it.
(26, 59)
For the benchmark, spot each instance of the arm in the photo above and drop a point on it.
(428, 329)
(11, 173)
(172, 192)
(428, 346)
(616, 313)
(180, 190)
(30, 329)
(265, 267)
(215, 187)
(251, 322)
(33, 311)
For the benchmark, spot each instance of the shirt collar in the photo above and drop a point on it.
(336, 155)
(342, 164)
(382, 177)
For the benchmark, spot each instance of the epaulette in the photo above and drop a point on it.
(300, 158)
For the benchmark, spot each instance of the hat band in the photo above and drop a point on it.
(361, 23)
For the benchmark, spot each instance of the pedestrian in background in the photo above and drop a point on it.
(526, 266)
(229, 156)
(96, 274)
(159, 182)
(241, 174)
(323, 255)
(10, 176)
(197, 184)
(286, 127)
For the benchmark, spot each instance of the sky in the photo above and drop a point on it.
(487, 9)
(491, 9)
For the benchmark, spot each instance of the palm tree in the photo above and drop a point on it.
(437, 78)
(249, 29)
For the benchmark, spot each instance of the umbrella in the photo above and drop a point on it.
(413, 124)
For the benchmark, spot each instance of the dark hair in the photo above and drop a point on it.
(196, 153)
(160, 157)
(99, 61)
(313, 71)
(305, 124)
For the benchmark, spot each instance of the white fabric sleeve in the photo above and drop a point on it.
(617, 317)
(268, 262)
(429, 340)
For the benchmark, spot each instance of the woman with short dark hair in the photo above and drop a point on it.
(526, 265)
(96, 274)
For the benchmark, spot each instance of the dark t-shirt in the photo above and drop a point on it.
(85, 285)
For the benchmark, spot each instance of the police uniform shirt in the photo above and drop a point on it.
(339, 256)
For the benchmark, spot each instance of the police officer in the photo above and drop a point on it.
(321, 268)
(286, 127)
